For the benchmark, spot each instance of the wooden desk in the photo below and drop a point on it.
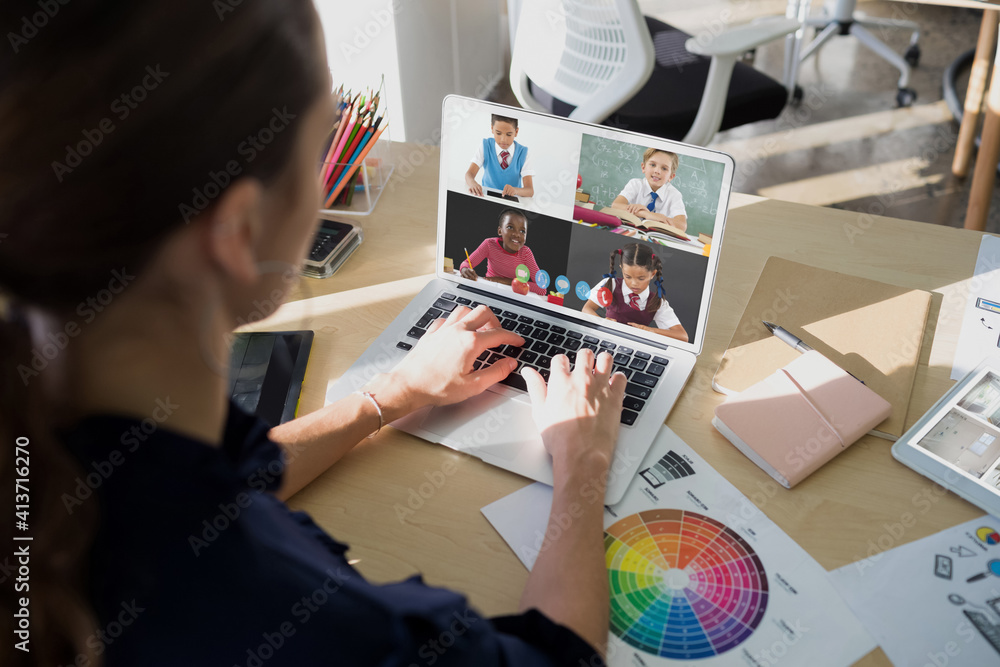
(838, 515)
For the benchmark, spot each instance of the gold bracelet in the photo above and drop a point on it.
(378, 409)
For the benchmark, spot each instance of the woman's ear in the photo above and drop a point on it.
(233, 228)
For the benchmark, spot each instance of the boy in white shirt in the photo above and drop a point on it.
(653, 197)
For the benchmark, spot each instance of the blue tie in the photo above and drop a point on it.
(652, 204)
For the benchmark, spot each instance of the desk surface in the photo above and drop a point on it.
(393, 499)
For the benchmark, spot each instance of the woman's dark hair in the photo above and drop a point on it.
(641, 255)
(119, 122)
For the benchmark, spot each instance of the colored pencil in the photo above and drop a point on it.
(351, 127)
(344, 161)
(361, 122)
(347, 122)
(358, 162)
(327, 163)
(357, 146)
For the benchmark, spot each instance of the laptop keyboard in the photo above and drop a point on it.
(542, 341)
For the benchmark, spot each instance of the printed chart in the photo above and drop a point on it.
(671, 466)
(932, 601)
(697, 574)
(683, 585)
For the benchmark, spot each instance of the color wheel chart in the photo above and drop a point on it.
(683, 585)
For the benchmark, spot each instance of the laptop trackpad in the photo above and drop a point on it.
(489, 425)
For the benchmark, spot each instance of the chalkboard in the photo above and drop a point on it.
(606, 165)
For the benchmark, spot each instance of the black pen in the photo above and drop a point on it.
(789, 338)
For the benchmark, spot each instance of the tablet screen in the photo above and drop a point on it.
(962, 432)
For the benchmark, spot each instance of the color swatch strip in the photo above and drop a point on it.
(671, 466)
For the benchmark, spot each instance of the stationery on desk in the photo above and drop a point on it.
(932, 601)
(353, 137)
(870, 329)
(792, 417)
(698, 574)
(647, 225)
(799, 417)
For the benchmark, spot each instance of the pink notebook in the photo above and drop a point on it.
(799, 417)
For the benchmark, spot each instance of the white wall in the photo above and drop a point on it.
(361, 47)
(425, 48)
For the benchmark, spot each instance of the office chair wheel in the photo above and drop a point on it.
(905, 97)
(912, 55)
(797, 95)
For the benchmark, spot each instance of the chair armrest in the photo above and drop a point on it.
(740, 39)
(725, 48)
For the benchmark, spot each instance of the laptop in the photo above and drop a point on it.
(577, 169)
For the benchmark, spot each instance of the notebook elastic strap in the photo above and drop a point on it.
(816, 409)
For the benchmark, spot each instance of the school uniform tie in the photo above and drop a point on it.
(633, 300)
(652, 203)
(503, 160)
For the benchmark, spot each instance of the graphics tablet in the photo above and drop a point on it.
(957, 443)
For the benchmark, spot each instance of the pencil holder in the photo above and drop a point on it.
(354, 188)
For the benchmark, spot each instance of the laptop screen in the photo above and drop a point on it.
(605, 225)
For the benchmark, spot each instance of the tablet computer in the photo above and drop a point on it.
(957, 442)
(266, 372)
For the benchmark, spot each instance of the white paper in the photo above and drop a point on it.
(917, 600)
(521, 519)
(980, 334)
(716, 556)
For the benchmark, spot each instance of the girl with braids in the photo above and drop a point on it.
(130, 246)
(638, 298)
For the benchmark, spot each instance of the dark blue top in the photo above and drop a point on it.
(196, 563)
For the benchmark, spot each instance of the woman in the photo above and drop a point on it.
(156, 158)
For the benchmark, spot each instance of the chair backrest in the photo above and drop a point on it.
(592, 54)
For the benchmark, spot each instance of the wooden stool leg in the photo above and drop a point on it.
(985, 174)
(974, 95)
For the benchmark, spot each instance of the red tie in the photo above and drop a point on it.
(503, 159)
(633, 300)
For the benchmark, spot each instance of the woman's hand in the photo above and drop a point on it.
(579, 411)
(469, 273)
(438, 371)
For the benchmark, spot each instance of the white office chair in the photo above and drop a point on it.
(839, 17)
(603, 61)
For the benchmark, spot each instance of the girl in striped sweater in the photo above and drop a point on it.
(504, 252)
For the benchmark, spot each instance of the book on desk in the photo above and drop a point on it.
(871, 329)
(649, 226)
